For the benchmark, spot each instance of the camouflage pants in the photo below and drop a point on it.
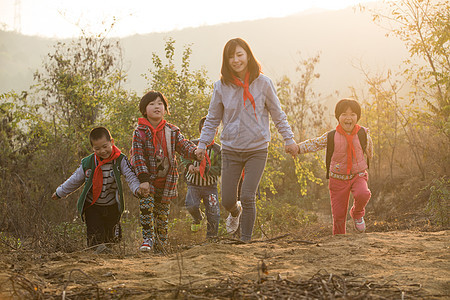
(154, 218)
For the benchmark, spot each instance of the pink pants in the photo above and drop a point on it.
(339, 196)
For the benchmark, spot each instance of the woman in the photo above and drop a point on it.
(242, 100)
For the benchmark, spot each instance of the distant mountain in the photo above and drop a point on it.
(20, 57)
(344, 38)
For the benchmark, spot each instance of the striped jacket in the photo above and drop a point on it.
(212, 172)
(144, 161)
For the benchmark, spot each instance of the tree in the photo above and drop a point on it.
(384, 114)
(305, 114)
(187, 91)
(11, 138)
(20, 140)
(49, 126)
(424, 26)
(79, 81)
(301, 102)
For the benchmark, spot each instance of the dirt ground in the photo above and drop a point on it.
(415, 263)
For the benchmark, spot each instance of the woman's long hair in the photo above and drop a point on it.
(254, 67)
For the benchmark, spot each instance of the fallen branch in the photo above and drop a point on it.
(303, 242)
(239, 242)
(87, 276)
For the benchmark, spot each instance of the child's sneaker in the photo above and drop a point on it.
(146, 246)
(195, 227)
(360, 225)
(232, 223)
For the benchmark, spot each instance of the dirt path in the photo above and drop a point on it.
(412, 261)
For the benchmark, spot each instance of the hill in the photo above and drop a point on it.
(345, 38)
(376, 265)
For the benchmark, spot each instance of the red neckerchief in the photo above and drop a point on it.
(350, 147)
(155, 131)
(203, 162)
(246, 86)
(97, 180)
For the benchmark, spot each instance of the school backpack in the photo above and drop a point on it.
(362, 136)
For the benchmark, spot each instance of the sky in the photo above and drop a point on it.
(64, 18)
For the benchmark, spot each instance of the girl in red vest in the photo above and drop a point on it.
(347, 168)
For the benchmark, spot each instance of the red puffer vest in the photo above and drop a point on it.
(339, 159)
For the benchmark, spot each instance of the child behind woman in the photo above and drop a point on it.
(347, 166)
(153, 157)
(202, 178)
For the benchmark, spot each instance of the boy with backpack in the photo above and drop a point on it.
(346, 164)
(202, 178)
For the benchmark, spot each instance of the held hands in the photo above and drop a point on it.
(292, 149)
(200, 153)
(193, 169)
(144, 189)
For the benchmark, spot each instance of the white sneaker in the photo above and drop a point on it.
(360, 225)
(232, 223)
(146, 246)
